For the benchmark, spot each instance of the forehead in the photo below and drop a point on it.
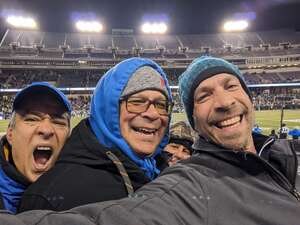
(149, 94)
(217, 80)
(44, 102)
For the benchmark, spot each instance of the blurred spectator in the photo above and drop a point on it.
(273, 134)
(283, 131)
(257, 129)
(180, 143)
(295, 133)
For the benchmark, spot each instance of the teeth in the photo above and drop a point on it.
(229, 122)
(146, 131)
(43, 148)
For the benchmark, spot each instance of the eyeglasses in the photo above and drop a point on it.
(140, 105)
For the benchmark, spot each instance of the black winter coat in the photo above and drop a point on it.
(215, 186)
(83, 174)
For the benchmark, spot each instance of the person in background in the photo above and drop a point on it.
(283, 131)
(273, 134)
(180, 143)
(38, 129)
(295, 133)
(112, 153)
(257, 129)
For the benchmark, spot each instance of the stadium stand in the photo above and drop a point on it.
(76, 60)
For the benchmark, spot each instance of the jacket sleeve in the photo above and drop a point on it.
(170, 199)
(32, 202)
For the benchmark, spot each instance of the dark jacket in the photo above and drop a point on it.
(83, 174)
(12, 182)
(214, 186)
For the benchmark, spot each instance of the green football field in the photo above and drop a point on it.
(267, 120)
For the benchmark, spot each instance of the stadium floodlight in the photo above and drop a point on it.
(22, 22)
(89, 26)
(154, 28)
(238, 25)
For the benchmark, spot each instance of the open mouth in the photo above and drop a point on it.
(229, 122)
(41, 155)
(145, 131)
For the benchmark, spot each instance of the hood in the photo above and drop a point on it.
(12, 182)
(8, 165)
(104, 111)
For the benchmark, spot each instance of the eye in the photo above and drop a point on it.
(161, 104)
(31, 118)
(60, 121)
(186, 151)
(137, 101)
(232, 86)
(173, 145)
(202, 97)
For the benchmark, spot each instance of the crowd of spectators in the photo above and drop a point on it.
(270, 78)
(89, 78)
(60, 78)
(81, 103)
(263, 100)
(267, 101)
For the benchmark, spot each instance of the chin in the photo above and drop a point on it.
(142, 152)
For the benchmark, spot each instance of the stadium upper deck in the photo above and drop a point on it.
(78, 45)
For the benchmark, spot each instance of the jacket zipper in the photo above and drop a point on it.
(293, 191)
(296, 193)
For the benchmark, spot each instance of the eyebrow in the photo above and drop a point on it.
(37, 113)
(158, 98)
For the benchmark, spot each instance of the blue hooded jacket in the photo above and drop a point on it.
(12, 182)
(105, 116)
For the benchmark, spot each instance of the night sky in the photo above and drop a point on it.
(184, 16)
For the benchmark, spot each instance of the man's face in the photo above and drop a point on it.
(143, 131)
(223, 112)
(177, 152)
(40, 131)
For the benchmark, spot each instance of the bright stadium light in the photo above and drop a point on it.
(154, 28)
(238, 25)
(22, 22)
(89, 26)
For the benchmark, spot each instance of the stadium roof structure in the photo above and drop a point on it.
(184, 17)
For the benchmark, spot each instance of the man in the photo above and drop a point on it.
(256, 129)
(232, 178)
(110, 154)
(283, 131)
(180, 143)
(39, 127)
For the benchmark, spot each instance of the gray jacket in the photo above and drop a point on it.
(215, 186)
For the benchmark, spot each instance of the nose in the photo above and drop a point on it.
(223, 101)
(45, 129)
(151, 112)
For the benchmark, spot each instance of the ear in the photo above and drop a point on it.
(9, 134)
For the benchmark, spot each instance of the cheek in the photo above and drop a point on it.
(63, 134)
(200, 119)
(165, 123)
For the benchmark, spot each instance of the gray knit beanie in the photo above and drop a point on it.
(199, 70)
(145, 78)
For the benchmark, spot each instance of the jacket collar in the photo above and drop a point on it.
(8, 164)
(278, 153)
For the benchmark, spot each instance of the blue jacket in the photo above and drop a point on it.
(12, 182)
(104, 112)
